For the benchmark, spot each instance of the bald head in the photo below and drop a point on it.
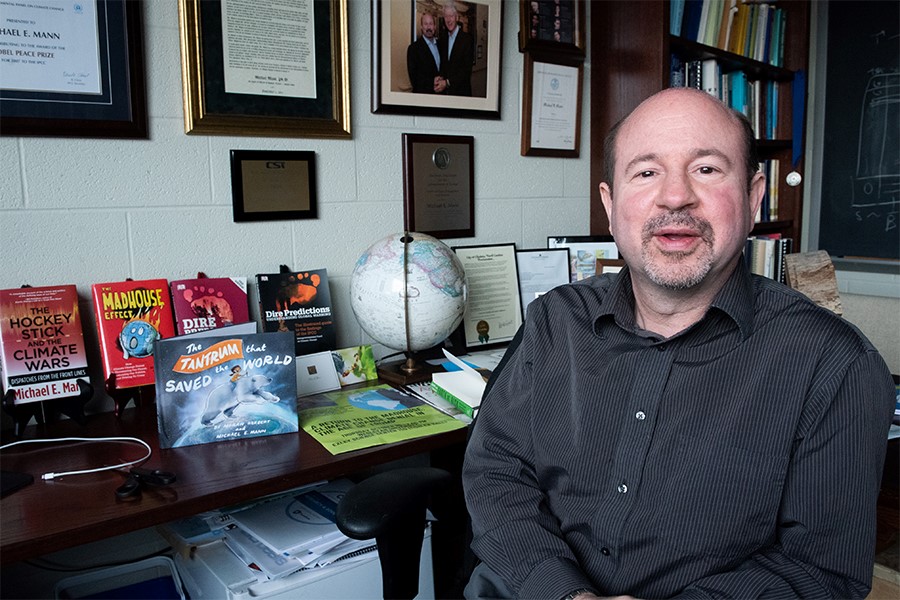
(702, 101)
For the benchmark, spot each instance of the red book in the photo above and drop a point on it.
(131, 316)
(41, 343)
(206, 303)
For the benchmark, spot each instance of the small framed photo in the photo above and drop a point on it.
(584, 252)
(551, 106)
(414, 73)
(609, 265)
(273, 185)
(316, 374)
(439, 185)
(494, 309)
(552, 25)
(540, 271)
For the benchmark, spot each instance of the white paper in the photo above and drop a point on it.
(540, 272)
(269, 47)
(49, 46)
(554, 103)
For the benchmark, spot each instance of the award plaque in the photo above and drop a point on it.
(439, 185)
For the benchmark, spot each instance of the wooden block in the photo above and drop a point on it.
(812, 273)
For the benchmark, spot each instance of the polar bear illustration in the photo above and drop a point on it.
(223, 399)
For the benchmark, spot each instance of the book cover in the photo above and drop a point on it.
(355, 364)
(131, 317)
(218, 388)
(205, 303)
(41, 343)
(301, 304)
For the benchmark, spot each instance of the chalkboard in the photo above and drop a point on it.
(860, 188)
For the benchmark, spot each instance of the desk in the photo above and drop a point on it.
(52, 515)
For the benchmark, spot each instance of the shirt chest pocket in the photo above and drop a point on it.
(722, 501)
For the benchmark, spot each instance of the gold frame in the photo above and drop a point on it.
(198, 120)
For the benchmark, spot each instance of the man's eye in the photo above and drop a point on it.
(645, 174)
(707, 170)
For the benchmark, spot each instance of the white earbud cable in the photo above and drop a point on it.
(48, 476)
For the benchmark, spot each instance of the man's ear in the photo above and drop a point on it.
(606, 198)
(757, 191)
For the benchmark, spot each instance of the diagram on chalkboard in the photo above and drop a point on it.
(877, 180)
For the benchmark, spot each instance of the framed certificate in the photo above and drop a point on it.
(439, 185)
(278, 68)
(273, 185)
(551, 106)
(73, 69)
(494, 309)
(540, 271)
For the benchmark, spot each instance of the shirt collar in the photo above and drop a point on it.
(735, 299)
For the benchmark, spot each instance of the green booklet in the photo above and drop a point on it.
(348, 420)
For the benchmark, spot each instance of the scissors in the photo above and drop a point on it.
(138, 477)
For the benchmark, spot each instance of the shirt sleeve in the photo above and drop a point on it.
(825, 542)
(513, 531)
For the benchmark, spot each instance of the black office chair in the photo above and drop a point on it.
(390, 507)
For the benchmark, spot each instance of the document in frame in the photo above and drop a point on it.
(554, 106)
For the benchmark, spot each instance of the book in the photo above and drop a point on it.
(213, 388)
(355, 364)
(463, 388)
(131, 317)
(42, 353)
(209, 302)
(301, 304)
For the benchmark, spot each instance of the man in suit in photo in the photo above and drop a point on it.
(457, 56)
(423, 60)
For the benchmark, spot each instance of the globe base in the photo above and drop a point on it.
(406, 371)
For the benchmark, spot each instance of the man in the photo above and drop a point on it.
(423, 58)
(457, 56)
(682, 429)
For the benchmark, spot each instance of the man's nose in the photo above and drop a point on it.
(677, 191)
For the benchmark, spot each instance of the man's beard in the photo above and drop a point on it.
(676, 271)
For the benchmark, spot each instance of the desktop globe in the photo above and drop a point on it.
(413, 308)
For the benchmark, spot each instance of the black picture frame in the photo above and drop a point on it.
(273, 185)
(395, 26)
(118, 111)
(486, 305)
(556, 26)
(439, 185)
(209, 109)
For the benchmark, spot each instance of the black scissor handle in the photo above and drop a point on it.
(154, 476)
(131, 488)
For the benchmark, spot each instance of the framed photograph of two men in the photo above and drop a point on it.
(436, 57)
(265, 67)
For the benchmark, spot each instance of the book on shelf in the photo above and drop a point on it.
(131, 316)
(42, 353)
(214, 388)
(202, 303)
(765, 255)
(463, 387)
(300, 303)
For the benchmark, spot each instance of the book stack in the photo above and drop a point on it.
(764, 255)
(751, 29)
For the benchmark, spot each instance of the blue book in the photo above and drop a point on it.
(676, 15)
(691, 23)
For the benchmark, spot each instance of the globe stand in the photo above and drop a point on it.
(409, 370)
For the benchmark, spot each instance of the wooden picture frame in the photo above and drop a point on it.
(273, 185)
(551, 106)
(555, 26)
(396, 27)
(227, 94)
(494, 309)
(104, 102)
(439, 185)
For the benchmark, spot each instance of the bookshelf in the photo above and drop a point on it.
(631, 50)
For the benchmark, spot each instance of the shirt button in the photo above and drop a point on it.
(604, 551)
(622, 488)
(661, 347)
(639, 415)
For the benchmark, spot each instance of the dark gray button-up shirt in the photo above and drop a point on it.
(740, 458)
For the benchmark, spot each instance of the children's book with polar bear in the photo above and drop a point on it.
(224, 387)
